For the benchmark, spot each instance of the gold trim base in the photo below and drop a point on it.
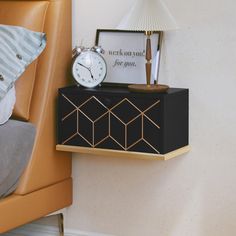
(144, 88)
(123, 154)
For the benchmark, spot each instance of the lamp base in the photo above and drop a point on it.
(144, 88)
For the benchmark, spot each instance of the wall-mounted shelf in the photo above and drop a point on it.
(113, 121)
(123, 154)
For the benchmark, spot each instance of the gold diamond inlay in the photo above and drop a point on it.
(109, 111)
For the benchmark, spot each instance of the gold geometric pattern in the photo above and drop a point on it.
(111, 113)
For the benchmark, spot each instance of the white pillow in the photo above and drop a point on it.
(6, 105)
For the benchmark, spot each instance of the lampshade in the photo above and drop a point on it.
(148, 15)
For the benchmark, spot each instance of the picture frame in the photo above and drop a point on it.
(125, 55)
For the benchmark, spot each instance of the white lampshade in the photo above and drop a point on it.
(148, 15)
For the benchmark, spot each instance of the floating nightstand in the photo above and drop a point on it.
(113, 121)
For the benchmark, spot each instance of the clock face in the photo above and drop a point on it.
(89, 69)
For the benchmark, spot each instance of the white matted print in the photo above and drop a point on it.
(125, 55)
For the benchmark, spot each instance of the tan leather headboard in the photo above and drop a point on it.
(32, 16)
(52, 71)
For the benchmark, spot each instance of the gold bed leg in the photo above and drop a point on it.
(61, 224)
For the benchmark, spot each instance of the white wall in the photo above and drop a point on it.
(194, 195)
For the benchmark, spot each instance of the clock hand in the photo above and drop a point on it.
(84, 66)
(89, 69)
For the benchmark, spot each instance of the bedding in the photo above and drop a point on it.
(18, 48)
(16, 143)
(7, 105)
(30, 15)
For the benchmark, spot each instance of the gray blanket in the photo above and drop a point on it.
(16, 143)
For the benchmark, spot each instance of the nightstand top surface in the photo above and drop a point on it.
(107, 89)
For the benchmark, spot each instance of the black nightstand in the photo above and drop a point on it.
(114, 121)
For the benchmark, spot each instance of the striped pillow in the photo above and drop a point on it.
(18, 48)
(6, 105)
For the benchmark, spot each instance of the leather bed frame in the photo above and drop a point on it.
(46, 185)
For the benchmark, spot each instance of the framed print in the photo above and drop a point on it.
(125, 55)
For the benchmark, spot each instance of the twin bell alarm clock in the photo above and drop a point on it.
(89, 68)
